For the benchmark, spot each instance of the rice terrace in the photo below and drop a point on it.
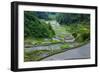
(56, 36)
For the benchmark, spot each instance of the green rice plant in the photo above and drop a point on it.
(34, 55)
(65, 46)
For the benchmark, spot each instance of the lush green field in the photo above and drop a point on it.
(48, 29)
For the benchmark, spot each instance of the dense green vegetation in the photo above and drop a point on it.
(34, 55)
(47, 28)
(81, 32)
(34, 28)
(73, 18)
(37, 55)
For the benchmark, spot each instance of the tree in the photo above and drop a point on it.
(33, 27)
(72, 18)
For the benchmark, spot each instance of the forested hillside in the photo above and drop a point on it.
(35, 28)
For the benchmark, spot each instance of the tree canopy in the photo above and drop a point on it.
(33, 27)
